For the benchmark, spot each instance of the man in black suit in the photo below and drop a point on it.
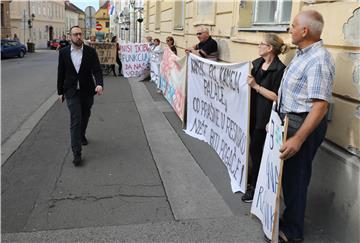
(78, 64)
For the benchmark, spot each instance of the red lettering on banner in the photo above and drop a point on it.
(126, 48)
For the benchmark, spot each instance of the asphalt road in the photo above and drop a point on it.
(26, 83)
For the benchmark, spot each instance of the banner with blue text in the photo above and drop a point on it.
(265, 204)
(218, 112)
(135, 59)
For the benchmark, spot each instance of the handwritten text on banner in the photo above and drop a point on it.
(218, 111)
(134, 59)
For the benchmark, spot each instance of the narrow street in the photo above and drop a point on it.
(143, 179)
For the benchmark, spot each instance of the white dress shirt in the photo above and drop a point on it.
(76, 57)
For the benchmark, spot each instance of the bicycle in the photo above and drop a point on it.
(106, 69)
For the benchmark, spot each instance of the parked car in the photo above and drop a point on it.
(12, 48)
(54, 44)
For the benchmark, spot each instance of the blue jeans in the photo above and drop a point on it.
(80, 110)
(295, 181)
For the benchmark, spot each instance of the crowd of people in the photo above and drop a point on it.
(302, 91)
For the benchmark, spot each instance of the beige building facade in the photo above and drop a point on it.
(5, 19)
(238, 27)
(37, 21)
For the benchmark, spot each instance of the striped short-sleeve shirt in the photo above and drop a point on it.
(309, 76)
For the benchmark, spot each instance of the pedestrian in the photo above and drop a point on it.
(155, 63)
(63, 42)
(150, 42)
(114, 39)
(304, 95)
(171, 44)
(78, 63)
(16, 38)
(207, 47)
(92, 39)
(264, 81)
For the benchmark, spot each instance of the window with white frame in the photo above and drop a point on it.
(205, 7)
(179, 16)
(157, 15)
(147, 23)
(272, 12)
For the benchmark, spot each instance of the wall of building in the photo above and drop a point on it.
(71, 19)
(48, 15)
(232, 25)
(81, 22)
(5, 19)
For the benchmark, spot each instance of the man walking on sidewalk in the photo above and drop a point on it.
(78, 63)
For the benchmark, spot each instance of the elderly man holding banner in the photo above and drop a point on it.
(207, 47)
(304, 95)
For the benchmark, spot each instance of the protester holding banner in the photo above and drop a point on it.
(171, 44)
(150, 42)
(155, 63)
(207, 47)
(115, 40)
(304, 95)
(264, 80)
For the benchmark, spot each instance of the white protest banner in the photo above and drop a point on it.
(106, 52)
(218, 112)
(135, 59)
(265, 204)
(173, 81)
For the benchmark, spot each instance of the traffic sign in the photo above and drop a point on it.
(98, 27)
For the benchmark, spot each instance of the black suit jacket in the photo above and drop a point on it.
(68, 77)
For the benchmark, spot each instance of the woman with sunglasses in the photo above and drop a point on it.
(264, 81)
(171, 44)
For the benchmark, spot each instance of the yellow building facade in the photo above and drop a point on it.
(238, 27)
(102, 17)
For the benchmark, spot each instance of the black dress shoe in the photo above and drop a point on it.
(77, 159)
(84, 141)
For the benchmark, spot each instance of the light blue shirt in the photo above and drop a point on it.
(310, 75)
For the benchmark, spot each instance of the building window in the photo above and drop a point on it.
(205, 8)
(179, 16)
(107, 24)
(272, 12)
(147, 20)
(2, 15)
(157, 15)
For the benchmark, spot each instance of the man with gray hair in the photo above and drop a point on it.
(207, 47)
(304, 95)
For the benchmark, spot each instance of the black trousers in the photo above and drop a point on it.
(296, 178)
(80, 110)
(257, 141)
(119, 63)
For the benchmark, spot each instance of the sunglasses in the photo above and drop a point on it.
(263, 44)
(198, 33)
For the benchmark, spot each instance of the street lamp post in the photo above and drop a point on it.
(140, 19)
(132, 3)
